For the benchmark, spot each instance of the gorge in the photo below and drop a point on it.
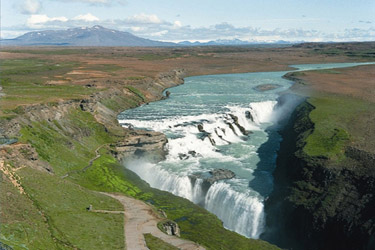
(220, 122)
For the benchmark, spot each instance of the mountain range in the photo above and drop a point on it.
(100, 36)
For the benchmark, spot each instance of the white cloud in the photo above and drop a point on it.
(30, 7)
(177, 24)
(146, 19)
(38, 21)
(136, 29)
(87, 18)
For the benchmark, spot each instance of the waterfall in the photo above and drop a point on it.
(238, 211)
(194, 138)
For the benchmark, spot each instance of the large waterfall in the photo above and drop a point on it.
(200, 137)
(219, 122)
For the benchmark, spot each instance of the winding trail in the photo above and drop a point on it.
(97, 155)
(141, 219)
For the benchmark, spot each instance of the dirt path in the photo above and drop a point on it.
(141, 219)
(97, 155)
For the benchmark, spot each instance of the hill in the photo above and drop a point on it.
(94, 36)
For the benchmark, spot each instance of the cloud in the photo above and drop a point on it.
(177, 24)
(87, 18)
(39, 21)
(30, 7)
(144, 19)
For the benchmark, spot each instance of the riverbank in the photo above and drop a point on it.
(323, 194)
(61, 105)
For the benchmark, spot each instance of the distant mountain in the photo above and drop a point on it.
(94, 36)
(100, 36)
(233, 42)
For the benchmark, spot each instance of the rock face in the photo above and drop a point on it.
(317, 204)
(56, 115)
(211, 177)
(235, 122)
(171, 228)
(220, 174)
(142, 144)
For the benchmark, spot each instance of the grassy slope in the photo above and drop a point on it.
(52, 215)
(333, 117)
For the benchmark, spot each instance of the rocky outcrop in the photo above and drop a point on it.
(219, 174)
(317, 203)
(56, 115)
(241, 128)
(22, 155)
(211, 177)
(142, 144)
(205, 134)
(170, 228)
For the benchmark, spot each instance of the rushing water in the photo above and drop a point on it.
(214, 102)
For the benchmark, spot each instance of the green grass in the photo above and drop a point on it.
(19, 68)
(333, 118)
(22, 226)
(73, 151)
(136, 92)
(64, 205)
(23, 82)
(119, 103)
(154, 243)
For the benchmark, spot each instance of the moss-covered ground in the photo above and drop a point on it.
(333, 118)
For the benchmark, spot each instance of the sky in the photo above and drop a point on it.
(199, 20)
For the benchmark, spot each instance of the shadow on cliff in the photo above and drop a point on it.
(267, 152)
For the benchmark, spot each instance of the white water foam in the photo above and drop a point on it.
(240, 212)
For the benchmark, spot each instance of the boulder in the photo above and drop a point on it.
(171, 228)
(249, 116)
(201, 129)
(220, 174)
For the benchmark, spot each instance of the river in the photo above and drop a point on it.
(221, 105)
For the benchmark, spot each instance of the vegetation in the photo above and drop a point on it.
(154, 243)
(333, 118)
(53, 215)
(24, 81)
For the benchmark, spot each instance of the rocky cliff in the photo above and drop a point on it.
(318, 203)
